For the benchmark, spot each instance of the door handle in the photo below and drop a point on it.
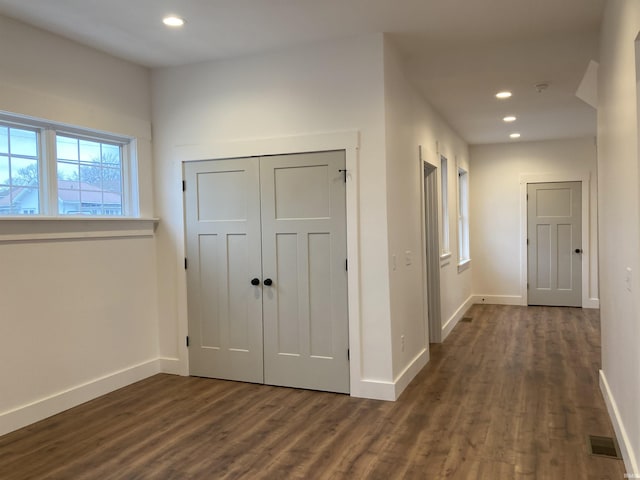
(255, 282)
(578, 250)
(268, 282)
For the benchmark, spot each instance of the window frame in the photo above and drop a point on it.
(464, 246)
(47, 132)
(445, 248)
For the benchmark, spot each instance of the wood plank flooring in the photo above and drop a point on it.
(511, 395)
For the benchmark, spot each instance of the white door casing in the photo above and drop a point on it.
(554, 236)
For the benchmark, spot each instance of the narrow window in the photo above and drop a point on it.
(463, 217)
(445, 206)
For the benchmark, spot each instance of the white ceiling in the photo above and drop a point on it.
(458, 52)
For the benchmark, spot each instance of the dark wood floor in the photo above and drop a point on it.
(511, 395)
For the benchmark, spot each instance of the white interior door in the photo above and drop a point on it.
(224, 251)
(304, 256)
(266, 245)
(554, 216)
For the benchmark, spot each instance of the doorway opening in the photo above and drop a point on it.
(432, 251)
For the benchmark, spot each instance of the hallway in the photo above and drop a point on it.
(512, 394)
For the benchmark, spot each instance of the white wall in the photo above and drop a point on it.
(410, 123)
(77, 316)
(619, 222)
(498, 214)
(260, 104)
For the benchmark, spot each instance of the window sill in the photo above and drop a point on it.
(464, 265)
(30, 228)
(445, 259)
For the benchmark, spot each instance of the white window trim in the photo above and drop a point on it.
(30, 228)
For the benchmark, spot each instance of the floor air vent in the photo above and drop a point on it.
(467, 319)
(604, 447)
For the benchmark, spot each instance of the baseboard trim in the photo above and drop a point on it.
(456, 317)
(497, 300)
(40, 409)
(410, 372)
(591, 303)
(628, 456)
(172, 366)
(374, 390)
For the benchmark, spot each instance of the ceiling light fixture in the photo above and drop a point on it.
(173, 21)
(515, 135)
(509, 118)
(503, 95)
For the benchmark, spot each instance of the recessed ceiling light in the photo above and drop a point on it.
(503, 95)
(515, 135)
(510, 118)
(173, 21)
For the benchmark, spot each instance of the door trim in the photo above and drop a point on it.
(433, 326)
(349, 141)
(585, 178)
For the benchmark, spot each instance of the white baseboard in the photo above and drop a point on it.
(390, 391)
(374, 389)
(172, 366)
(409, 373)
(455, 318)
(628, 455)
(64, 400)
(591, 303)
(498, 299)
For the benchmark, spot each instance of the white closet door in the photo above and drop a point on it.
(304, 256)
(224, 254)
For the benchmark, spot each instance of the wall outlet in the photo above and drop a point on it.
(407, 258)
(628, 278)
(394, 261)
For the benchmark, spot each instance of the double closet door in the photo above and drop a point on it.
(266, 277)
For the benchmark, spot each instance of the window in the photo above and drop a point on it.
(446, 252)
(57, 170)
(89, 177)
(463, 217)
(19, 170)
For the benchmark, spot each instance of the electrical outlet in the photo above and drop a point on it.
(407, 257)
(628, 278)
(394, 261)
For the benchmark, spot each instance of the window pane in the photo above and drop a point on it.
(26, 201)
(24, 172)
(91, 177)
(67, 148)
(4, 139)
(89, 151)
(90, 184)
(112, 179)
(111, 155)
(23, 142)
(68, 172)
(4, 170)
